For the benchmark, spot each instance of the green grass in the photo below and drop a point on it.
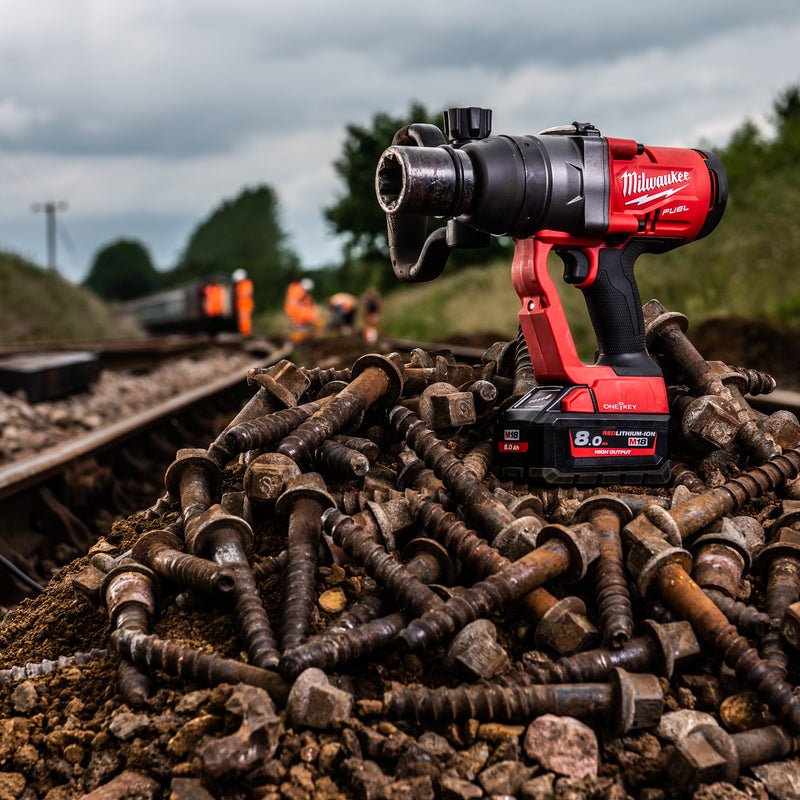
(40, 306)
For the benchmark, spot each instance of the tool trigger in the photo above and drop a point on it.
(576, 265)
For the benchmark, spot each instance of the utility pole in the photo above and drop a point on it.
(50, 209)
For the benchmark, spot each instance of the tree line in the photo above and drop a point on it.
(246, 232)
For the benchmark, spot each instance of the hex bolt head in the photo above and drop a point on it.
(640, 699)
(267, 475)
(443, 407)
(565, 628)
(710, 422)
(284, 381)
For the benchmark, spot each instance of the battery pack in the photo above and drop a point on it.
(555, 435)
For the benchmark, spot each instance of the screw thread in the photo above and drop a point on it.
(404, 586)
(300, 575)
(192, 664)
(749, 621)
(252, 620)
(192, 572)
(611, 588)
(333, 650)
(497, 702)
(255, 434)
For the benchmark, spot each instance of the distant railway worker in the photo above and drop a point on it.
(243, 290)
(342, 307)
(371, 313)
(300, 308)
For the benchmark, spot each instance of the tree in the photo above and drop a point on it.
(243, 233)
(356, 214)
(122, 270)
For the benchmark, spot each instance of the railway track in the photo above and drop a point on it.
(409, 704)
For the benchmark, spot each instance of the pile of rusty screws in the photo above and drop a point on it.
(397, 483)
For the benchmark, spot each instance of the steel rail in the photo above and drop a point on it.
(20, 475)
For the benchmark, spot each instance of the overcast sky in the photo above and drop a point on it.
(144, 115)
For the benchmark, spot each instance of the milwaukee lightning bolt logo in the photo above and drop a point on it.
(644, 187)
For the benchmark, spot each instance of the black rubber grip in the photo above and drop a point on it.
(615, 310)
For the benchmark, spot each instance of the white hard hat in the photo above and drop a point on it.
(239, 274)
(307, 284)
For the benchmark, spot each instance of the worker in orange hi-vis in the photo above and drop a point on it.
(300, 308)
(243, 290)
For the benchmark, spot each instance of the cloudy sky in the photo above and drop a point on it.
(142, 116)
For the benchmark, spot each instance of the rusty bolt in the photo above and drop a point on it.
(161, 551)
(303, 502)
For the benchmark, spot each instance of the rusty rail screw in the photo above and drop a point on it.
(162, 552)
(266, 477)
(340, 460)
(607, 515)
(303, 501)
(665, 334)
(191, 664)
(560, 624)
(376, 378)
(194, 478)
(130, 590)
(779, 561)
(656, 650)
(708, 754)
(628, 700)
(226, 539)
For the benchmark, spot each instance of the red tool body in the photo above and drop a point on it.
(598, 203)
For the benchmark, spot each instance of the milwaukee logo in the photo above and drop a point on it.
(642, 185)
